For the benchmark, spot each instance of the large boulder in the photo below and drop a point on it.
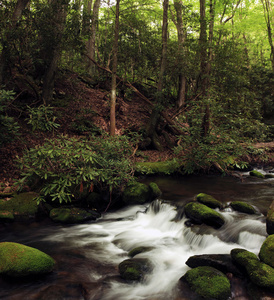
(134, 269)
(72, 215)
(258, 272)
(136, 193)
(221, 262)
(21, 206)
(18, 260)
(208, 283)
(208, 200)
(243, 207)
(266, 253)
(200, 213)
(270, 219)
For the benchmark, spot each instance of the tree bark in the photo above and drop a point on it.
(114, 71)
(16, 16)
(92, 39)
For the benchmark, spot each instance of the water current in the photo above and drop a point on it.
(88, 255)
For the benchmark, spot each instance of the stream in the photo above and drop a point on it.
(88, 255)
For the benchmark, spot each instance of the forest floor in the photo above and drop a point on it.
(77, 106)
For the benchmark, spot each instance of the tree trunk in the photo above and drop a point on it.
(114, 71)
(181, 31)
(92, 39)
(54, 52)
(16, 16)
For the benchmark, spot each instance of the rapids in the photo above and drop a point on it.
(88, 255)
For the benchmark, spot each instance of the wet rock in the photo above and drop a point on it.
(136, 193)
(256, 173)
(155, 191)
(200, 213)
(134, 269)
(266, 253)
(72, 215)
(208, 200)
(221, 262)
(243, 207)
(139, 250)
(18, 260)
(208, 283)
(258, 272)
(270, 219)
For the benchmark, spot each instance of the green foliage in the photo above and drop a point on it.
(8, 127)
(42, 118)
(69, 165)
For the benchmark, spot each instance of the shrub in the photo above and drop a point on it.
(70, 165)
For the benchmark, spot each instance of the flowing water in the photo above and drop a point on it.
(88, 255)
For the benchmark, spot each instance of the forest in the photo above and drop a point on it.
(92, 86)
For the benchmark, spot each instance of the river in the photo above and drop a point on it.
(88, 255)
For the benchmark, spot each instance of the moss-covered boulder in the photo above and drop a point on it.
(72, 215)
(270, 219)
(136, 193)
(200, 213)
(139, 250)
(208, 200)
(243, 207)
(21, 206)
(134, 269)
(208, 283)
(158, 167)
(18, 260)
(266, 253)
(256, 173)
(155, 191)
(258, 272)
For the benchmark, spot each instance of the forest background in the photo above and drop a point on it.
(88, 84)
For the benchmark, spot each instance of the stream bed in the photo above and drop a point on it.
(88, 255)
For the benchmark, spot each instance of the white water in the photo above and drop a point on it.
(109, 241)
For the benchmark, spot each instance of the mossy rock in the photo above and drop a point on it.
(208, 282)
(136, 193)
(139, 250)
(270, 219)
(200, 213)
(18, 260)
(158, 167)
(243, 207)
(155, 191)
(258, 272)
(208, 200)
(134, 269)
(256, 173)
(266, 253)
(22, 205)
(72, 215)
(6, 216)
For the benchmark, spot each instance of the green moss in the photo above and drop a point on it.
(266, 253)
(256, 174)
(258, 272)
(23, 204)
(72, 215)
(201, 213)
(243, 207)
(208, 282)
(136, 193)
(208, 200)
(158, 167)
(138, 250)
(155, 191)
(134, 269)
(19, 260)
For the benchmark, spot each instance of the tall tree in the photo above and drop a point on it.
(267, 6)
(114, 70)
(91, 43)
(16, 16)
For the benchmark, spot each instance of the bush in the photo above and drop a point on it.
(70, 165)
(8, 127)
